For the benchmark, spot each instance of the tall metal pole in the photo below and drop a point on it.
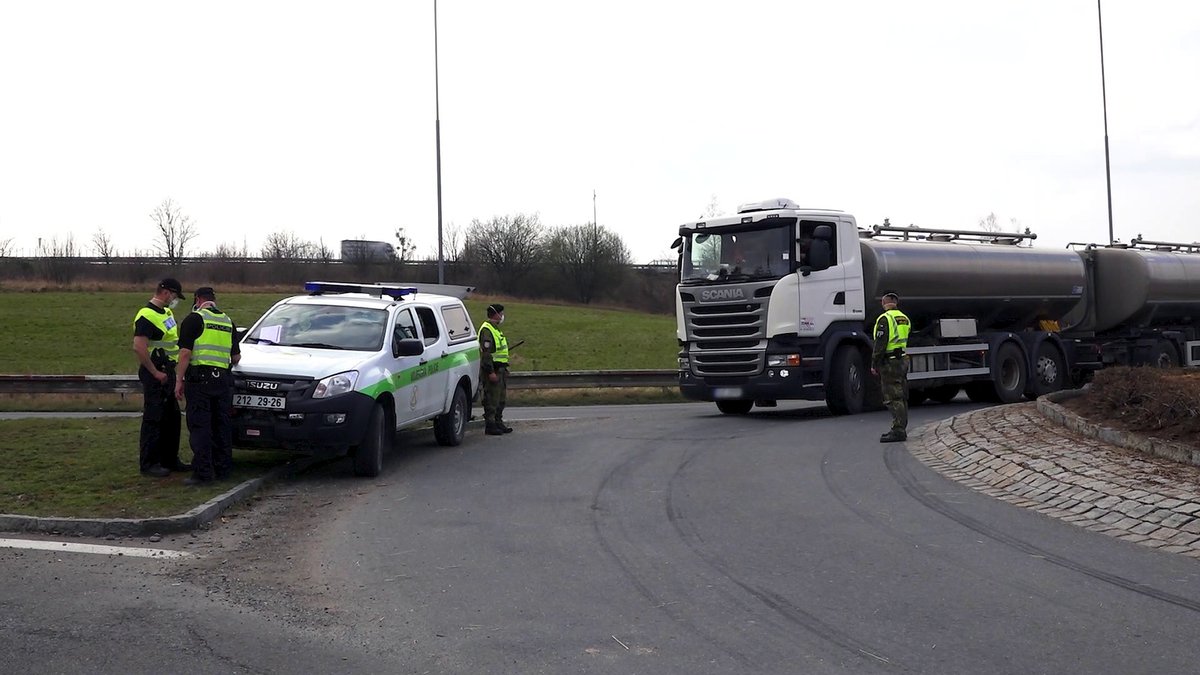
(437, 130)
(595, 223)
(1104, 98)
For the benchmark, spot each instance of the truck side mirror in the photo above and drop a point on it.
(240, 333)
(819, 255)
(678, 243)
(408, 347)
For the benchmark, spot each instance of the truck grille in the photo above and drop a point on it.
(727, 339)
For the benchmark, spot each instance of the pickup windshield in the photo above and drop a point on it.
(739, 254)
(322, 327)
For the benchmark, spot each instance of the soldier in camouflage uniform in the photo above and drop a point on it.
(891, 364)
(493, 371)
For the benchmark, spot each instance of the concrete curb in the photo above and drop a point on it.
(1048, 406)
(132, 527)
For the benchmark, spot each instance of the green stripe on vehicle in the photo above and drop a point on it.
(408, 376)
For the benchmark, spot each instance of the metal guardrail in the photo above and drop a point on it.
(128, 384)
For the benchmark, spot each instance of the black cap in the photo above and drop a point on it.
(495, 310)
(171, 285)
(892, 296)
(206, 292)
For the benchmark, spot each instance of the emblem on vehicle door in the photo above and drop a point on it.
(255, 384)
(413, 403)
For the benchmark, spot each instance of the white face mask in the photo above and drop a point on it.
(173, 303)
(501, 321)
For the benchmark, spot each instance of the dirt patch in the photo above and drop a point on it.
(1153, 402)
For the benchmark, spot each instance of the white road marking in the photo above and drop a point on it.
(93, 548)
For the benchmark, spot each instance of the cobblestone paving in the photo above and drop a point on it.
(1015, 454)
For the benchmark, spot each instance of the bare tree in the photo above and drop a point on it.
(990, 223)
(713, 209)
(404, 245)
(286, 246)
(5, 247)
(228, 251)
(322, 251)
(509, 245)
(587, 257)
(175, 228)
(103, 245)
(58, 259)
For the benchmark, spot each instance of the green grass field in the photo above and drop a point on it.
(59, 333)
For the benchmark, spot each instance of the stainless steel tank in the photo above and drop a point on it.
(1140, 288)
(1001, 286)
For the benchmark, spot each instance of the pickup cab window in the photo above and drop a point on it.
(429, 325)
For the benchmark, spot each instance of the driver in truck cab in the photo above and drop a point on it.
(891, 363)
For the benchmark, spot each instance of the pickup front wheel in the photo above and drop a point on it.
(368, 456)
(450, 427)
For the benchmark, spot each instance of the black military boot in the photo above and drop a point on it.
(503, 427)
(894, 436)
(493, 429)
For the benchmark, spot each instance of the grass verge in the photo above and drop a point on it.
(88, 468)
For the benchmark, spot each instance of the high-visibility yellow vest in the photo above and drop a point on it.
(501, 353)
(165, 322)
(898, 327)
(215, 343)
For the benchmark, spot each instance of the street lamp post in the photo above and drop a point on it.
(1104, 99)
(437, 131)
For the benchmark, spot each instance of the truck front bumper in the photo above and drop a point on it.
(773, 384)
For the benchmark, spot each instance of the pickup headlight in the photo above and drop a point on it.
(336, 385)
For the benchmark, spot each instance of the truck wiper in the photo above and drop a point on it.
(314, 345)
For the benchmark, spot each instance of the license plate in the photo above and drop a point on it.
(723, 393)
(257, 401)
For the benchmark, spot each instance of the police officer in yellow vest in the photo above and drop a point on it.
(493, 366)
(891, 363)
(207, 351)
(156, 345)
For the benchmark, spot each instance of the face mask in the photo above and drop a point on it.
(173, 303)
(501, 321)
(195, 307)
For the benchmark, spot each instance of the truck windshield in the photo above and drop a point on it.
(739, 255)
(322, 327)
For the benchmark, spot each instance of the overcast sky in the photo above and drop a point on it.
(318, 118)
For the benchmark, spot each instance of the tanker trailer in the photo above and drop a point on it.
(777, 303)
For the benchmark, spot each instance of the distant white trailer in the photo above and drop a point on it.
(361, 250)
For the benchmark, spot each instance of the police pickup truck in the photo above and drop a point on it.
(346, 366)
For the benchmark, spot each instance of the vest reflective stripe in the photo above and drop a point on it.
(898, 327)
(165, 322)
(215, 343)
(501, 353)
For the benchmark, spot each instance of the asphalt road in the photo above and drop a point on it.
(634, 539)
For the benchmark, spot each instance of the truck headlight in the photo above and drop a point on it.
(779, 360)
(336, 385)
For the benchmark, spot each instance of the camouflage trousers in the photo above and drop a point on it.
(893, 378)
(494, 394)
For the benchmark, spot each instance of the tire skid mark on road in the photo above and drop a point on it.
(782, 606)
(612, 535)
(907, 481)
(850, 502)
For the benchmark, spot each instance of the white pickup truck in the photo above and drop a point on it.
(346, 366)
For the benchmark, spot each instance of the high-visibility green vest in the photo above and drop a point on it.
(165, 322)
(898, 327)
(215, 343)
(501, 353)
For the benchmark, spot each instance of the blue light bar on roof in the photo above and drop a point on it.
(378, 290)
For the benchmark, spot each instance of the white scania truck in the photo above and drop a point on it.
(777, 303)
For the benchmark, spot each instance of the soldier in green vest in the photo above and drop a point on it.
(156, 345)
(493, 366)
(207, 351)
(889, 361)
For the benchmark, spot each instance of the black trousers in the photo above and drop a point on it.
(158, 441)
(209, 395)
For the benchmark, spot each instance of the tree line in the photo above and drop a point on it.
(515, 255)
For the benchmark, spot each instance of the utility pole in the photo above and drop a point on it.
(1104, 99)
(437, 131)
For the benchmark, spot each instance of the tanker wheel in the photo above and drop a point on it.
(735, 407)
(1050, 372)
(1009, 373)
(944, 393)
(847, 382)
(1165, 355)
